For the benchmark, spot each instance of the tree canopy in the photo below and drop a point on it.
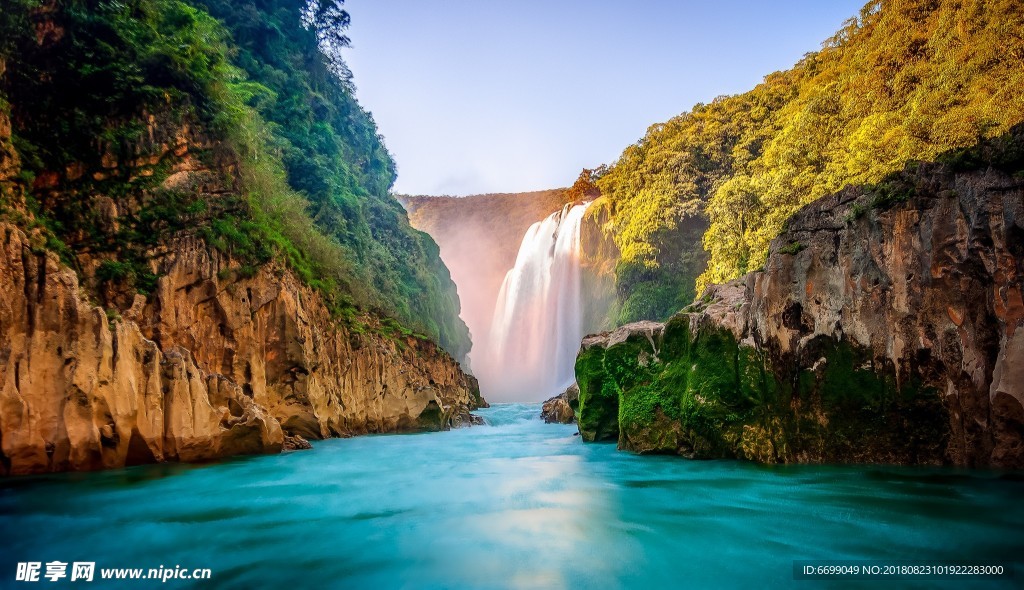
(698, 199)
(264, 78)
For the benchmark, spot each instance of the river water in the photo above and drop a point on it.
(517, 504)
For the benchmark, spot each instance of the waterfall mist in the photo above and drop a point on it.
(538, 319)
(529, 289)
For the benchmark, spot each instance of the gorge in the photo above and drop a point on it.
(784, 326)
(531, 296)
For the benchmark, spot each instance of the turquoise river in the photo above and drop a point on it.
(515, 504)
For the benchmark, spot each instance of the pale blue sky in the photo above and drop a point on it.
(496, 96)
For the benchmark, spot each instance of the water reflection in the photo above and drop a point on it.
(518, 504)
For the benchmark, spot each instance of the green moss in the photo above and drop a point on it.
(708, 395)
(133, 271)
(856, 211)
(599, 397)
(791, 248)
(894, 190)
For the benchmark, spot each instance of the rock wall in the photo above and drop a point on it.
(885, 327)
(206, 367)
(219, 359)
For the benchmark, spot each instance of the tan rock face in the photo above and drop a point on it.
(207, 367)
(561, 409)
(932, 286)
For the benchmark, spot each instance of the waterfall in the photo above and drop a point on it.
(538, 319)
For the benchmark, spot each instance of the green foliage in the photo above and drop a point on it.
(599, 397)
(856, 211)
(891, 191)
(263, 77)
(102, 64)
(332, 168)
(901, 82)
(791, 248)
(132, 272)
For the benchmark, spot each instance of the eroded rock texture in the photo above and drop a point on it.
(561, 409)
(206, 367)
(887, 325)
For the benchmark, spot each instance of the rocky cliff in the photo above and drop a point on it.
(886, 326)
(205, 367)
(130, 338)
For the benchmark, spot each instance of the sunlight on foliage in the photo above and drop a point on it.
(265, 80)
(903, 81)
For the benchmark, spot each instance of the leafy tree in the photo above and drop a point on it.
(584, 189)
(84, 79)
(904, 80)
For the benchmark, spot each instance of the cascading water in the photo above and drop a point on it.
(538, 318)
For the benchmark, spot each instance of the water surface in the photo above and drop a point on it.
(518, 504)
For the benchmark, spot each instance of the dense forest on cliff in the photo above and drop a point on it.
(94, 88)
(698, 199)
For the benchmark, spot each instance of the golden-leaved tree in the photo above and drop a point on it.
(699, 198)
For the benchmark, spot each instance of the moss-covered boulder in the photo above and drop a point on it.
(691, 387)
(607, 363)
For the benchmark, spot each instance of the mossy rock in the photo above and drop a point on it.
(698, 392)
(599, 397)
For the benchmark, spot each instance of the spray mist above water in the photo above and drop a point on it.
(535, 334)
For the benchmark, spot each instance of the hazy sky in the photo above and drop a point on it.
(476, 96)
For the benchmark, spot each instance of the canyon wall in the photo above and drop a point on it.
(220, 357)
(886, 326)
(210, 365)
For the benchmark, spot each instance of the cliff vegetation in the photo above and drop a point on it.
(103, 95)
(886, 327)
(699, 198)
(199, 254)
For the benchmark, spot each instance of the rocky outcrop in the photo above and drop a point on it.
(211, 364)
(220, 358)
(887, 326)
(561, 409)
(129, 334)
(296, 443)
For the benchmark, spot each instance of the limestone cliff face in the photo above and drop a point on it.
(206, 367)
(128, 334)
(219, 359)
(887, 325)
